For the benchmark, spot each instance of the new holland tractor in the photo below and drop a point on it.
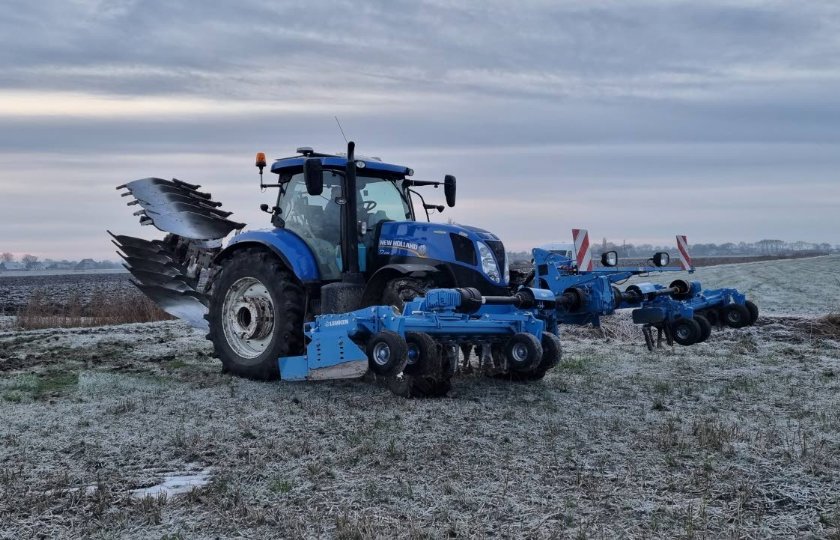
(344, 236)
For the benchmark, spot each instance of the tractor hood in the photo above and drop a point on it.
(453, 244)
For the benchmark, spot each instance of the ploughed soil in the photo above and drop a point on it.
(61, 289)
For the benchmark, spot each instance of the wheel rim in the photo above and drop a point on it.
(683, 332)
(248, 317)
(413, 354)
(381, 353)
(519, 352)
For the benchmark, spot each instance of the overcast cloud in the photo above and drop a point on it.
(637, 120)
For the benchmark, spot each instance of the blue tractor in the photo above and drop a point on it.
(344, 236)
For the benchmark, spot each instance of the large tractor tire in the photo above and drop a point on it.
(401, 290)
(256, 314)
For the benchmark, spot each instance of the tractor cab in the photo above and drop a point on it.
(357, 216)
(381, 194)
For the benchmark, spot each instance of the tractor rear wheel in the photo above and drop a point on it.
(705, 327)
(255, 315)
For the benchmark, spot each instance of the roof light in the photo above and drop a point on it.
(305, 150)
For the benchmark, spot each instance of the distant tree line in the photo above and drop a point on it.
(8, 261)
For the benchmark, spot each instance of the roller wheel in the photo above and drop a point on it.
(426, 373)
(255, 314)
(387, 353)
(753, 309)
(552, 353)
(705, 327)
(523, 352)
(735, 316)
(423, 355)
(685, 331)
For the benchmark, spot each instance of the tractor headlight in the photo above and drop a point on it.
(488, 262)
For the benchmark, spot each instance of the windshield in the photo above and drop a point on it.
(317, 218)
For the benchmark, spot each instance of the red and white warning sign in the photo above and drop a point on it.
(582, 254)
(682, 246)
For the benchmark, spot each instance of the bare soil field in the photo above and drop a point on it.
(132, 431)
(17, 289)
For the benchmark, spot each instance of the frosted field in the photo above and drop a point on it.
(132, 431)
(793, 286)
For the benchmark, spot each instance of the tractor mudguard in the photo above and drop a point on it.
(288, 246)
(377, 281)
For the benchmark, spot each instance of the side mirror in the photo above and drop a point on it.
(449, 190)
(661, 259)
(609, 258)
(313, 175)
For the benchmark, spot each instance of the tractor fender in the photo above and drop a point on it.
(289, 248)
(377, 281)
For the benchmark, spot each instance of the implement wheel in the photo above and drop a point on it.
(551, 355)
(523, 352)
(685, 331)
(735, 316)
(255, 315)
(753, 309)
(712, 315)
(427, 372)
(387, 353)
(705, 327)
(423, 355)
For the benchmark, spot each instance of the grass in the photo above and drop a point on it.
(39, 387)
(102, 309)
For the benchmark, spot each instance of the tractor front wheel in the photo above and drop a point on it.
(255, 314)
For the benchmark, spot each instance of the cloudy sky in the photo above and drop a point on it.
(637, 120)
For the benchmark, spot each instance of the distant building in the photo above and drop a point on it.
(12, 266)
